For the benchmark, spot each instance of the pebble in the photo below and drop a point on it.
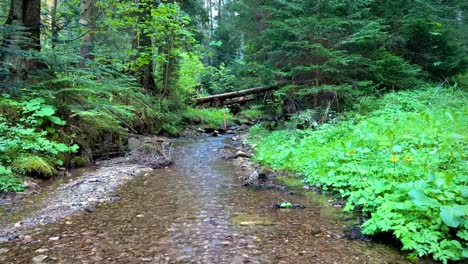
(39, 258)
(54, 238)
(140, 216)
(4, 250)
(27, 239)
(42, 250)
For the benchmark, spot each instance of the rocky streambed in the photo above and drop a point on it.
(196, 211)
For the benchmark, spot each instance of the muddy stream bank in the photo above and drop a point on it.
(197, 211)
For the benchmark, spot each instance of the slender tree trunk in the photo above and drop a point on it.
(210, 6)
(26, 14)
(143, 44)
(220, 5)
(88, 23)
(50, 21)
(53, 23)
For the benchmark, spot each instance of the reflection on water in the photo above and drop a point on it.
(187, 214)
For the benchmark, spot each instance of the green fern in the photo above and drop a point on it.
(34, 165)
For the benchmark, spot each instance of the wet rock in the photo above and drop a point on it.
(209, 130)
(252, 179)
(13, 237)
(215, 134)
(4, 250)
(27, 239)
(241, 154)
(39, 258)
(354, 233)
(266, 173)
(290, 206)
(91, 180)
(90, 209)
(134, 144)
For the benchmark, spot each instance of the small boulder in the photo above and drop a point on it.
(241, 154)
(209, 130)
(215, 134)
(266, 173)
(134, 144)
(39, 258)
(251, 180)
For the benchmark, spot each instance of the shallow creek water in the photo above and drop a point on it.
(198, 212)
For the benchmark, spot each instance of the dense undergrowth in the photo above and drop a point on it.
(74, 118)
(400, 159)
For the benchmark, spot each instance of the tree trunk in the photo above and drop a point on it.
(222, 97)
(53, 23)
(142, 43)
(88, 24)
(23, 14)
(50, 21)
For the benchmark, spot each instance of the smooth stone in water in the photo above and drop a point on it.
(39, 258)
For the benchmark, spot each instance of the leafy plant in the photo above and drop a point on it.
(401, 161)
(8, 183)
(286, 205)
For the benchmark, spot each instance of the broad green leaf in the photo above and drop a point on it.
(453, 215)
(46, 111)
(397, 149)
(419, 198)
(62, 147)
(56, 120)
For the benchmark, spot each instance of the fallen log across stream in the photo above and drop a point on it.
(221, 99)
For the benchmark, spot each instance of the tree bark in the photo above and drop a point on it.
(23, 14)
(52, 6)
(88, 24)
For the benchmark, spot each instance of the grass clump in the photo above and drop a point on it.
(208, 117)
(34, 165)
(400, 159)
(252, 113)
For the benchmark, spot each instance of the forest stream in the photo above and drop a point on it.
(197, 211)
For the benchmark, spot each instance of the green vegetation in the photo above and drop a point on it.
(210, 117)
(400, 159)
(78, 77)
(252, 113)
